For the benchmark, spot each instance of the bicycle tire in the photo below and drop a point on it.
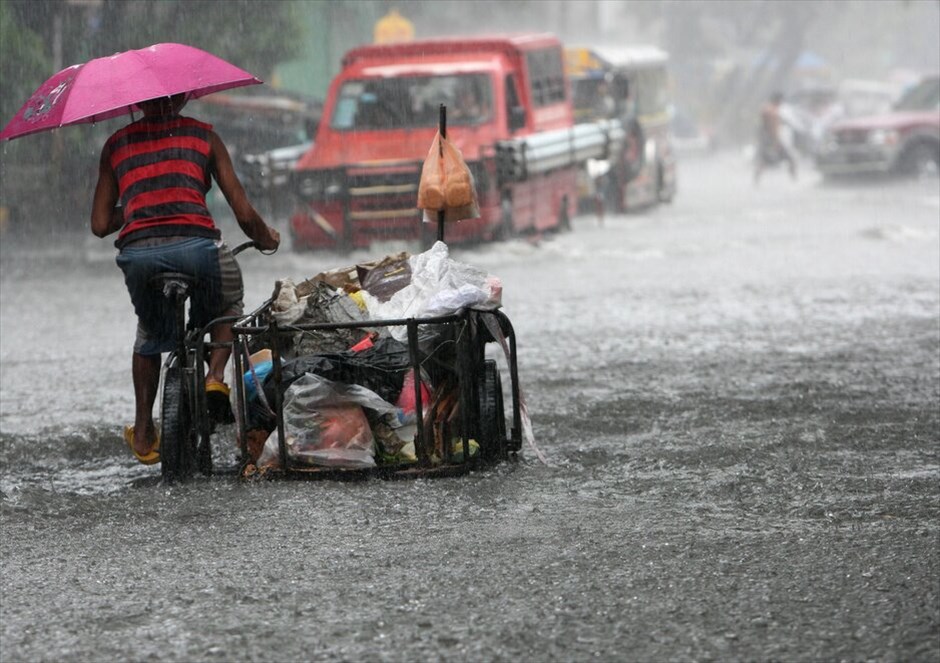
(178, 439)
(492, 414)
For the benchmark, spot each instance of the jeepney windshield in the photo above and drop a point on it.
(592, 99)
(408, 102)
(651, 87)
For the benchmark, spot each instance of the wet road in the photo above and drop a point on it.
(737, 394)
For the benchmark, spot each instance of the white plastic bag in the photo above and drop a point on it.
(438, 286)
(288, 307)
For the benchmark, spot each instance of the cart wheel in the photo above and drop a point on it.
(492, 414)
(178, 439)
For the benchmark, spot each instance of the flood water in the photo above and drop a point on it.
(737, 395)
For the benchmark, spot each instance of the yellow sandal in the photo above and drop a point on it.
(149, 458)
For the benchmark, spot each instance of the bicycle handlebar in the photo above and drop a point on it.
(251, 244)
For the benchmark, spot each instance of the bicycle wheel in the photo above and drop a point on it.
(492, 414)
(178, 438)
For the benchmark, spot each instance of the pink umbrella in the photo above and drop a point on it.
(107, 87)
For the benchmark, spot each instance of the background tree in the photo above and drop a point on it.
(23, 59)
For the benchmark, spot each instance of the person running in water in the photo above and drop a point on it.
(771, 149)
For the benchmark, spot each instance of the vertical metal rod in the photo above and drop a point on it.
(240, 357)
(278, 398)
(420, 447)
(468, 380)
(197, 374)
(179, 303)
(442, 125)
(508, 330)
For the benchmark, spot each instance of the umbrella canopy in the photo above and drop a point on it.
(107, 87)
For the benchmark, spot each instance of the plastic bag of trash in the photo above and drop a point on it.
(270, 456)
(380, 369)
(287, 306)
(447, 184)
(439, 285)
(325, 304)
(340, 278)
(391, 439)
(324, 422)
(384, 278)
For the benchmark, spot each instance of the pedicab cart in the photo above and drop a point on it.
(332, 390)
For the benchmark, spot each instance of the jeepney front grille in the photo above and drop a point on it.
(375, 195)
(851, 136)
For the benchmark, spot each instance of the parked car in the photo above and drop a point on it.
(858, 97)
(808, 114)
(904, 140)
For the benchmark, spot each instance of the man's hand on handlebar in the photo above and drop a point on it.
(269, 240)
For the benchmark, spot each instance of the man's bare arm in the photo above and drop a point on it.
(248, 218)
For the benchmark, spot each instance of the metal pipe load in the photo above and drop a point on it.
(539, 153)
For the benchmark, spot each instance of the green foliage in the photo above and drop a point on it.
(24, 62)
(253, 34)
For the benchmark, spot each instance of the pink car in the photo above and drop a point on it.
(904, 140)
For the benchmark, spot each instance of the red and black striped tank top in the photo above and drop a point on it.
(162, 169)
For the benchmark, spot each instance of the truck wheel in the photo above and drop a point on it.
(921, 160)
(564, 218)
(492, 415)
(504, 231)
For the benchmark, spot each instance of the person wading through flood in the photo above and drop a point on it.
(159, 169)
(770, 147)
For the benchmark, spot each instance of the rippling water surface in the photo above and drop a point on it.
(737, 395)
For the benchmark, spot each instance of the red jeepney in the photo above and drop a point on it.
(508, 111)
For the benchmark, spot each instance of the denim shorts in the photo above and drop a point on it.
(218, 288)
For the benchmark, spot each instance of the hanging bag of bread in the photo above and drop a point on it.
(431, 186)
(447, 184)
(460, 194)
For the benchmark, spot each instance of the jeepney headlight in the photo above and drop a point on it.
(883, 137)
(334, 188)
(320, 185)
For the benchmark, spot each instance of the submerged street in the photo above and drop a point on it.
(738, 395)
